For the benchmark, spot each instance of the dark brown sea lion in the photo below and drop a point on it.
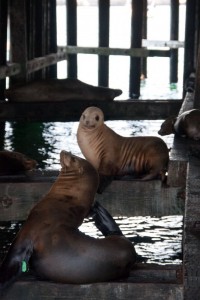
(186, 125)
(51, 242)
(60, 90)
(12, 162)
(111, 154)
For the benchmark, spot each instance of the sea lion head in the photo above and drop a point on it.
(12, 162)
(92, 117)
(76, 166)
(167, 127)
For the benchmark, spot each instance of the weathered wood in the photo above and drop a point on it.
(189, 53)
(3, 39)
(121, 198)
(71, 110)
(39, 290)
(104, 20)
(191, 253)
(174, 29)
(18, 37)
(71, 7)
(171, 44)
(136, 42)
(133, 52)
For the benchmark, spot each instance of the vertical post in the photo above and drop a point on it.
(18, 38)
(189, 39)
(3, 41)
(174, 27)
(39, 34)
(136, 42)
(144, 36)
(72, 36)
(104, 14)
(52, 41)
(197, 79)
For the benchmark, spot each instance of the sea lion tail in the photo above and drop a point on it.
(15, 263)
(104, 221)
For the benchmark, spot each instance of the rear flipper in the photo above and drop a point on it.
(15, 262)
(104, 221)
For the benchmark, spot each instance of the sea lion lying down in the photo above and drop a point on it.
(186, 125)
(51, 243)
(60, 90)
(12, 162)
(145, 157)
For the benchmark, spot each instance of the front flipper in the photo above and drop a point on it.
(104, 221)
(15, 262)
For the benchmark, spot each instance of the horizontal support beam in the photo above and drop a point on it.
(32, 65)
(173, 44)
(135, 52)
(9, 70)
(42, 290)
(122, 197)
(72, 110)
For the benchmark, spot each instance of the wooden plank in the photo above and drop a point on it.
(18, 37)
(121, 198)
(191, 244)
(71, 7)
(136, 42)
(3, 39)
(39, 290)
(104, 20)
(169, 44)
(189, 53)
(174, 29)
(133, 52)
(72, 110)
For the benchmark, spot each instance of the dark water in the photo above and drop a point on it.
(157, 240)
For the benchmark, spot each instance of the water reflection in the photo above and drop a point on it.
(157, 240)
(44, 141)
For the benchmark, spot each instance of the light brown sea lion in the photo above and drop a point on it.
(51, 242)
(60, 90)
(12, 162)
(186, 125)
(111, 154)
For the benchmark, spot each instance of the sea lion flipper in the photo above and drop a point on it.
(104, 221)
(13, 264)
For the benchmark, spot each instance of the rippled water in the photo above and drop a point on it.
(156, 240)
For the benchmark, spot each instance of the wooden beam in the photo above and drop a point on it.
(133, 52)
(104, 20)
(122, 197)
(71, 110)
(174, 29)
(42, 290)
(136, 42)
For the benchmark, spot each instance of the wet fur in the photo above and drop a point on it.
(144, 157)
(51, 243)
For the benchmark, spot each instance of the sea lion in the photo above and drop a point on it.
(111, 154)
(186, 125)
(12, 163)
(50, 240)
(60, 90)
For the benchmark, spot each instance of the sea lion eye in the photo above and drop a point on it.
(83, 117)
(97, 118)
